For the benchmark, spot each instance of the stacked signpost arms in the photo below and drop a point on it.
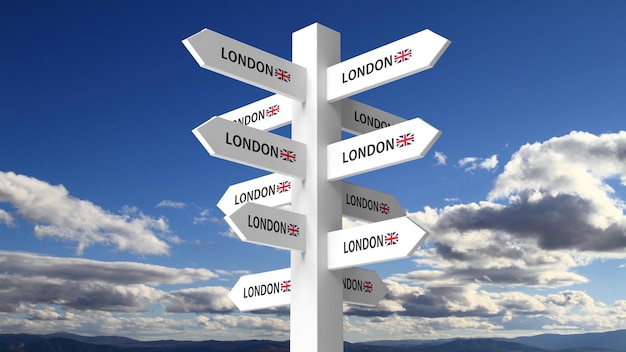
(307, 171)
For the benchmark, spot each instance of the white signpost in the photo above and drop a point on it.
(358, 118)
(363, 287)
(246, 145)
(404, 57)
(374, 243)
(265, 114)
(273, 289)
(389, 146)
(269, 226)
(263, 290)
(232, 58)
(272, 190)
(322, 275)
(369, 205)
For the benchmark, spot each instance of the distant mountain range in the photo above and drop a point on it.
(614, 341)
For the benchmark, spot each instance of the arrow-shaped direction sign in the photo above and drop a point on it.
(232, 58)
(368, 204)
(373, 243)
(362, 287)
(358, 118)
(249, 146)
(272, 190)
(273, 289)
(269, 226)
(263, 290)
(392, 145)
(265, 114)
(404, 57)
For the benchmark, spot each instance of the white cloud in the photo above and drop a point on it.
(440, 158)
(84, 284)
(170, 204)
(472, 163)
(57, 214)
(6, 218)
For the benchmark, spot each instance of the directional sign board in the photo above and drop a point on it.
(358, 118)
(269, 226)
(252, 147)
(263, 290)
(219, 53)
(273, 289)
(265, 114)
(362, 287)
(404, 57)
(368, 204)
(272, 190)
(374, 243)
(392, 145)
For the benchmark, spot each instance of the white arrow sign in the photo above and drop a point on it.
(269, 226)
(362, 287)
(232, 58)
(272, 190)
(263, 290)
(265, 114)
(392, 145)
(273, 289)
(249, 146)
(404, 57)
(358, 118)
(368, 204)
(374, 243)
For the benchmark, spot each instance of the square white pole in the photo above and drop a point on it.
(317, 295)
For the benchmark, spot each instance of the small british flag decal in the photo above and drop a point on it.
(293, 230)
(405, 139)
(285, 286)
(402, 56)
(391, 238)
(288, 155)
(284, 186)
(282, 75)
(272, 110)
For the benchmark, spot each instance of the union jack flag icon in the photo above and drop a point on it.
(282, 75)
(403, 55)
(288, 155)
(367, 286)
(391, 238)
(405, 139)
(384, 208)
(284, 186)
(285, 286)
(293, 230)
(273, 110)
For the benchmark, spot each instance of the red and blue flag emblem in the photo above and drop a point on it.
(288, 155)
(367, 286)
(384, 208)
(293, 230)
(282, 75)
(284, 186)
(285, 286)
(391, 238)
(403, 55)
(273, 110)
(405, 139)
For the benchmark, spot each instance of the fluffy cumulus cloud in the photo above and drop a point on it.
(57, 214)
(554, 208)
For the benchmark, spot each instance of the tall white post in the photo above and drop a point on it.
(317, 295)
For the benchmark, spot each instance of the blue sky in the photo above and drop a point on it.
(108, 217)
